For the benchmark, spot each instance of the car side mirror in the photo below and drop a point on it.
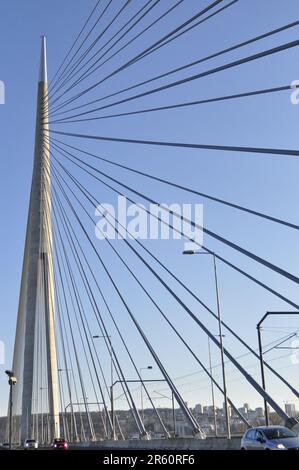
(261, 439)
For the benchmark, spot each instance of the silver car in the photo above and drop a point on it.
(270, 438)
(30, 444)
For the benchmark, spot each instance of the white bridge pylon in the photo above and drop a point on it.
(35, 358)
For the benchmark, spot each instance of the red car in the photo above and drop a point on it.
(60, 444)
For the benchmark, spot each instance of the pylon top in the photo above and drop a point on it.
(43, 75)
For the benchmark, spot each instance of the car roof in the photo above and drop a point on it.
(273, 426)
(262, 428)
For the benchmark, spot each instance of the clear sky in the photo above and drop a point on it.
(261, 182)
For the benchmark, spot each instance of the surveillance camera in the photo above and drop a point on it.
(9, 373)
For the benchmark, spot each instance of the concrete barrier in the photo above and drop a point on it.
(210, 443)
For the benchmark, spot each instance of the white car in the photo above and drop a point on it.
(30, 444)
(270, 438)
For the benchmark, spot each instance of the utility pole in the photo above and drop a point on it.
(212, 387)
(226, 407)
(12, 380)
(266, 409)
(261, 353)
(109, 338)
(173, 409)
(227, 418)
(141, 390)
(173, 415)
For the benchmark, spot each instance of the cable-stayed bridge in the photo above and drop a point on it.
(92, 313)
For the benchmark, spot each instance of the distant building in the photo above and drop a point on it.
(242, 410)
(183, 430)
(245, 409)
(229, 408)
(290, 409)
(210, 410)
(259, 412)
(208, 428)
(198, 408)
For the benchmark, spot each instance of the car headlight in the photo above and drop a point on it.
(280, 446)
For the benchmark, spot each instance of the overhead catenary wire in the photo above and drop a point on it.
(85, 54)
(87, 75)
(214, 70)
(61, 75)
(116, 365)
(264, 91)
(79, 369)
(63, 332)
(191, 64)
(249, 378)
(218, 256)
(227, 148)
(181, 33)
(74, 43)
(84, 322)
(58, 304)
(86, 284)
(185, 410)
(155, 3)
(105, 333)
(188, 290)
(69, 75)
(184, 188)
(230, 381)
(192, 374)
(65, 360)
(85, 326)
(240, 249)
(160, 310)
(63, 270)
(88, 196)
(140, 55)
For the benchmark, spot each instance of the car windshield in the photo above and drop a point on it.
(59, 440)
(279, 433)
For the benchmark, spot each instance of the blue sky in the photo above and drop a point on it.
(261, 182)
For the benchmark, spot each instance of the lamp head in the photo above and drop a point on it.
(12, 380)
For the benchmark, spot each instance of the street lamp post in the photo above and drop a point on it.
(12, 380)
(173, 409)
(130, 381)
(43, 434)
(64, 418)
(141, 390)
(111, 376)
(260, 344)
(193, 252)
(173, 414)
(212, 388)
